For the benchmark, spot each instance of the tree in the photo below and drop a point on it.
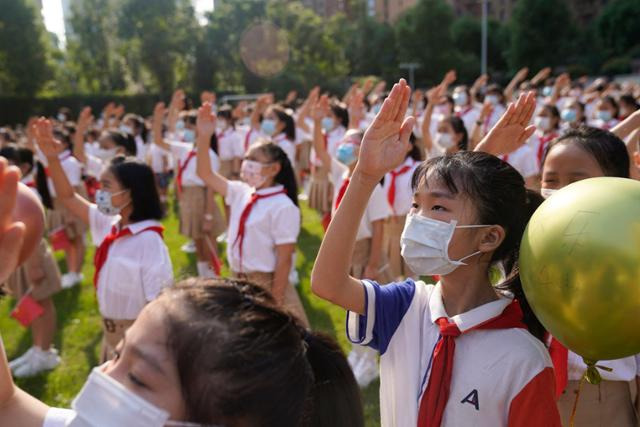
(23, 48)
(423, 33)
(467, 35)
(618, 26)
(541, 34)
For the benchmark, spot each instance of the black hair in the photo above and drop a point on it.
(341, 112)
(10, 152)
(213, 144)
(241, 360)
(415, 152)
(606, 148)
(225, 112)
(286, 176)
(629, 100)
(459, 128)
(289, 124)
(63, 136)
(124, 140)
(500, 197)
(138, 178)
(613, 103)
(553, 110)
(138, 124)
(21, 155)
(190, 117)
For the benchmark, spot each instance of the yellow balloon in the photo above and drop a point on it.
(580, 267)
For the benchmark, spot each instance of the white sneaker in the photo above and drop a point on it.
(353, 358)
(222, 238)
(368, 371)
(189, 247)
(19, 361)
(69, 280)
(39, 362)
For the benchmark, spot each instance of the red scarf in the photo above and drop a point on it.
(181, 169)
(342, 191)
(434, 399)
(544, 141)
(560, 358)
(247, 139)
(245, 215)
(391, 194)
(462, 113)
(103, 250)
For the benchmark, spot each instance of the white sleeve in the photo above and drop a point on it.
(637, 356)
(159, 272)
(179, 149)
(235, 191)
(58, 417)
(286, 225)
(378, 207)
(73, 170)
(99, 224)
(94, 166)
(337, 172)
(238, 145)
(529, 164)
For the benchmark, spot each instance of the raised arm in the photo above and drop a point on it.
(66, 195)
(84, 121)
(513, 84)
(261, 106)
(562, 81)
(623, 129)
(158, 116)
(383, 148)
(305, 110)
(477, 85)
(206, 124)
(318, 111)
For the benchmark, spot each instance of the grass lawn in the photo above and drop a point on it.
(79, 331)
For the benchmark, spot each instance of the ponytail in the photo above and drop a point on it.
(42, 186)
(286, 176)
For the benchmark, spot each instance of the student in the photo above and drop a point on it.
(133, 125)
(279, 125)
(200, 215)
(606, 113)
(368, 256)
(59, 216)
(39, 276)
(132, 262)
(451, 133)
(464, 108)
(495, 97)
(547, 122)
(580, 154)
(204, 365)
(397, 188)
(573, 114)
(264, 218)
(470, 212)
(230, 144)
(628, 105)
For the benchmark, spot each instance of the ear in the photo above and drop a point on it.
(491, 238)
(636, 158)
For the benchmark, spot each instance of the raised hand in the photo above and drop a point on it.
(11, 232)
(177, 100)
(118, 112)
(542, 75)
(158, 114)
(84, 119)
(206, 96)
(320, 108)
(356, 109)
(449, 78)
(43, 131)
(386, 141)
(521, 74)
(205, 122)
(512, 129)
(291, 96)
(480, 82)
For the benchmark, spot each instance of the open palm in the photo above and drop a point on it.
(386, 141)
(206, 120)
(43, 131)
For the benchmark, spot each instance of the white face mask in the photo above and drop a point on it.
(251, 173)
(106, 154)
(104, 202)
(105, 402)
(547, 192)
(425, 245)
(444, 140)
(126, 129)
(542, 123)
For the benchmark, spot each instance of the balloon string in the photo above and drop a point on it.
(575, 403)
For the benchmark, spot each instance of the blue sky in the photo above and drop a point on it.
(52, 12)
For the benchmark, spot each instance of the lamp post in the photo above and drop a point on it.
(411, 66)
(483, 54)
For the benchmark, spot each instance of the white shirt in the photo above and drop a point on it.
(94, 166)
(158, 159)
(273, 221)
(58, 417)
(469, 115)
(141, 148)
(404, 194)
(287, 146)
(496, 113)
(70, 165)
(601, 124)
(500, 377)
(249, 137)
(180, 152)
(524, 160)
(137, 268)
(377, 207)
(626, 369)
(230, 144)
(334, 138)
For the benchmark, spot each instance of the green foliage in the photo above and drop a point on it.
(467, 38)
(24, 48)
(618, 26)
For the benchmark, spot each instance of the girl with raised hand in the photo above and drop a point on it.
(221, 354)
(230, 144)
(264, 218)
(132, 262)
(200, 215)
(547, 122)
(470, 212)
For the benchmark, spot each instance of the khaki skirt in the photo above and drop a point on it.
(360, 260)
(607, 404)
(59, 216)
(321, 191)
(112, 332)
(393, 228)
(292, 302)
(193, 203)
(39, 273)
(304, 155)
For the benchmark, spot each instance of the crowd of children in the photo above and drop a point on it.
(435, 184)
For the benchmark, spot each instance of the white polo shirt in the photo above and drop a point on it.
(137, 268)
(469, 116)
(273, 221)
(377, 207)
(404, 194)
(524, 160)
(180, 152)
(287, 146)
(230, 144)
(70, 165)
(159, 160)
(500, 377)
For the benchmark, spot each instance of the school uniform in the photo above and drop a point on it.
(132, 267)
(469, 114)
(609, 403)
(397, 189)
(321, 190)
(288, 146)
(492, 118)
(40, 263)
(230, 147)
(524, 160)
(259, 221)
(601, 124)
(249, 137)
(377, 209)
(161, 164)
(498, 375)
(539, 142)
(192, 192)
(141, 148)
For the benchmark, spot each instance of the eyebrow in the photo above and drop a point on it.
(151, 360)
(437, 194)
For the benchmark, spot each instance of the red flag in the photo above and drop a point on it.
(27, 310)
(59, 239)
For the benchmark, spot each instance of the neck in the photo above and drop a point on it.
(467, 288)
(266, 185)
(125, 214)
